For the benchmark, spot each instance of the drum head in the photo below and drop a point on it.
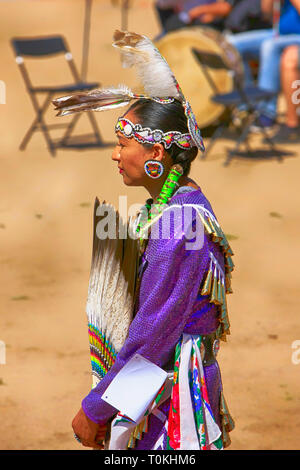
(176, 48)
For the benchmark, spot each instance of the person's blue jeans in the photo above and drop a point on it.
(267, 47)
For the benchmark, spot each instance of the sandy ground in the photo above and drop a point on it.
(45, 248)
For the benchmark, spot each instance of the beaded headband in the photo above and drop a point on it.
(145, 135)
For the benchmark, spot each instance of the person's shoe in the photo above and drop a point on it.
(262, 121)
(286, 135)
(239, 117)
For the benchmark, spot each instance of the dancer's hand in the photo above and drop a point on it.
(101, 435)
(90, 434)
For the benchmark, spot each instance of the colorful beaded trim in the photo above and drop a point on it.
(103, 355)
(154, 169)
(193, 126)
(145, 135)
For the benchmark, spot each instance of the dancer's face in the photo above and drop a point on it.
(131, 157)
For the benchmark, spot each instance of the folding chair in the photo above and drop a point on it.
(248, 97)
(45, 47)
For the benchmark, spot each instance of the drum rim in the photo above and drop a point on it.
(216, 110)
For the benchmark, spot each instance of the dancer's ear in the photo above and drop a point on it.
(157, 152)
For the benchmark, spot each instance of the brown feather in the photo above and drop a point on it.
(125, 38)
(95, 100)
(78, 98)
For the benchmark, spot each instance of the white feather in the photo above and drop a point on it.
(153, 70)
(111, 288)
(121, 89)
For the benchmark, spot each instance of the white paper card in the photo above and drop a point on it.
(134, 387)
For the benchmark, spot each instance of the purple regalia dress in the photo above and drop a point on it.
(169, 305)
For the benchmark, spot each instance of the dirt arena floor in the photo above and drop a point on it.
(45, 248)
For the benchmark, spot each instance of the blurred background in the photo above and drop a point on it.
(48, 188)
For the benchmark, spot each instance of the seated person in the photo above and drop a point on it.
(267, 46)
(233, 15)
(199, 13)
(290, 81)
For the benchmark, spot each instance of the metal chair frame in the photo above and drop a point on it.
(45, 47)
(208, 60)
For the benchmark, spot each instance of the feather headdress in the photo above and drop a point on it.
(111, 288)
(154, 73)
(152, 69)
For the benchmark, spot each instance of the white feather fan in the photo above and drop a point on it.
(111, 289)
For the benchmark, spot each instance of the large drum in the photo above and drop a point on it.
(176, 47)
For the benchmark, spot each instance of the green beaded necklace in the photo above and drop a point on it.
(154, 209)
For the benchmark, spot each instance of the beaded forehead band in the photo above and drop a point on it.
(145, 135)
(159, 85)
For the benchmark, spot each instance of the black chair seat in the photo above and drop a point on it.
(235, 98)
(48, 47)
(246, 98)
(80, 86)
